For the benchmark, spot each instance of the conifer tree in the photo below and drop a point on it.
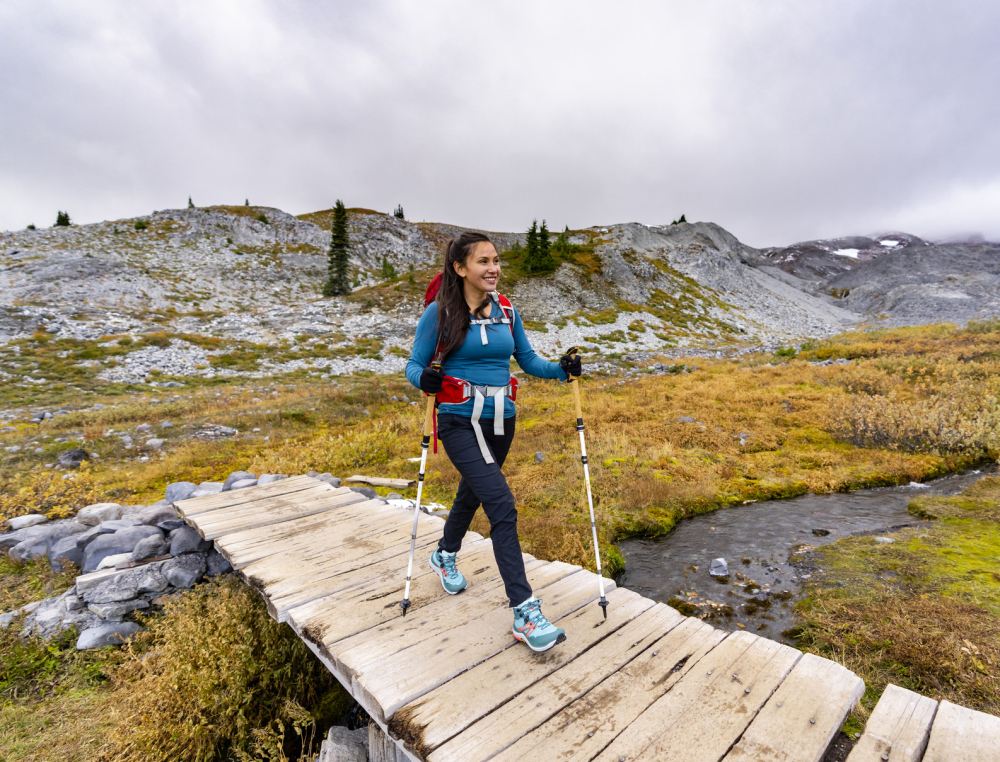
(545, 261)
(338, 281)
(246, 202)
(62, 219)
(398, 214)
(531, 255)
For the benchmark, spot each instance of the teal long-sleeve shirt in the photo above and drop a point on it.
(481, 364)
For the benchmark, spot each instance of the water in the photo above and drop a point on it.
(758, 541)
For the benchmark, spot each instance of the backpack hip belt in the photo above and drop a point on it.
(458, 390)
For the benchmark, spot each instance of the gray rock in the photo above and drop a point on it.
(216, 564)
(85, 537)
(539, 457)
(243, 484)
(117, 611)
(207, 488)
(153, 514)
(142, 428)
(116, 543)
(236, 476)
(97, 512)
(186, 540)
(393, 496)
(884, 540)
(150, 546)
(718, 568)
(110, 562)
(28, 520)
(343, 745)
(110, 634)
(34, 541)
(182, 572)
(66, 550)
(180, 491)
(153, 443)
(122, 585)
(113, 525)
(169, 525)
(72, 458)
(366, 491)
(268, 478)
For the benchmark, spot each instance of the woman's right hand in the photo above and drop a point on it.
(431, 380)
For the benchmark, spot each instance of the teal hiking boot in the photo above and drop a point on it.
(443, 563)
(533, 629)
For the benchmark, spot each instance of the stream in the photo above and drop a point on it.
(757, 541)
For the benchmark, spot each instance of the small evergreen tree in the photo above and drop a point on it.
(545, 261)
(531, 248)
(62, 219)
(31, 226)
(679, 220)
(246, 202)
(398, 214)
(388, 271)
(338, 281)
(190, 203)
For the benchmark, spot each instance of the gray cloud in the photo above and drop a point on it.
(780, 121)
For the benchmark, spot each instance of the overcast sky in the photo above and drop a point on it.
(781, 120)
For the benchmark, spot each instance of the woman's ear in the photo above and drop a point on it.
(459, 268)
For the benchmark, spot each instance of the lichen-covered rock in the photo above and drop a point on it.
(122, 585)
(115, 612)
(269, 478)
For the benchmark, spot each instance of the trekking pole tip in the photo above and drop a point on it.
(603, 603)
(404, 605)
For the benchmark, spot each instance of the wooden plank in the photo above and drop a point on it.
(272, 511)
(435, 619)
(363, 533)
(897, 729)
(412, 672)
(959, 733)
(579, 709)
(347, 508)
(380, 481)
(447, 710)
(708, 708)
(193, 506)
(801, 718)
(311, 597)
(379, 617)
(224, 515)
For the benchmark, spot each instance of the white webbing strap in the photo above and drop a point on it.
(479, 395)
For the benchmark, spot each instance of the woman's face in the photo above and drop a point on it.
(481, 268)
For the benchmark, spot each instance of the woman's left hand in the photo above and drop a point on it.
(570, 362)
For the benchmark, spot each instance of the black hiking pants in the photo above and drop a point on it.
(483, 482)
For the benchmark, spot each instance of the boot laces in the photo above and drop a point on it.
(533, 613)
(448, 563)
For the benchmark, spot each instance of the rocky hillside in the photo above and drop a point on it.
(236, 290)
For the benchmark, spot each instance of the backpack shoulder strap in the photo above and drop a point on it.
(508, 309)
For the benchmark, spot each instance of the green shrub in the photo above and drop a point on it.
(141, 224)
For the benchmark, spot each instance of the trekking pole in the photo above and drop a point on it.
(575, 383)
(424, 443)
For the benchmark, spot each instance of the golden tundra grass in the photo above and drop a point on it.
(909, 404)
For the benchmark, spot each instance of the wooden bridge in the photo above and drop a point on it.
(448, 681)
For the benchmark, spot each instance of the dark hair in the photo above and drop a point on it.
(453, 312)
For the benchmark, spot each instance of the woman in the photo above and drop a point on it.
(467, 335)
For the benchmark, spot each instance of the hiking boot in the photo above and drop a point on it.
(443, 563)
(533, 629)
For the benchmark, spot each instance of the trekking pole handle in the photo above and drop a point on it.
(429, 415)
(575, 381)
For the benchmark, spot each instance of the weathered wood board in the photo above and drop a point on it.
(958, 733)
(195, 506)
(800, 719)
(897, 729)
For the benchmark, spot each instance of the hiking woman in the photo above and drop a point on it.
(461, 353)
